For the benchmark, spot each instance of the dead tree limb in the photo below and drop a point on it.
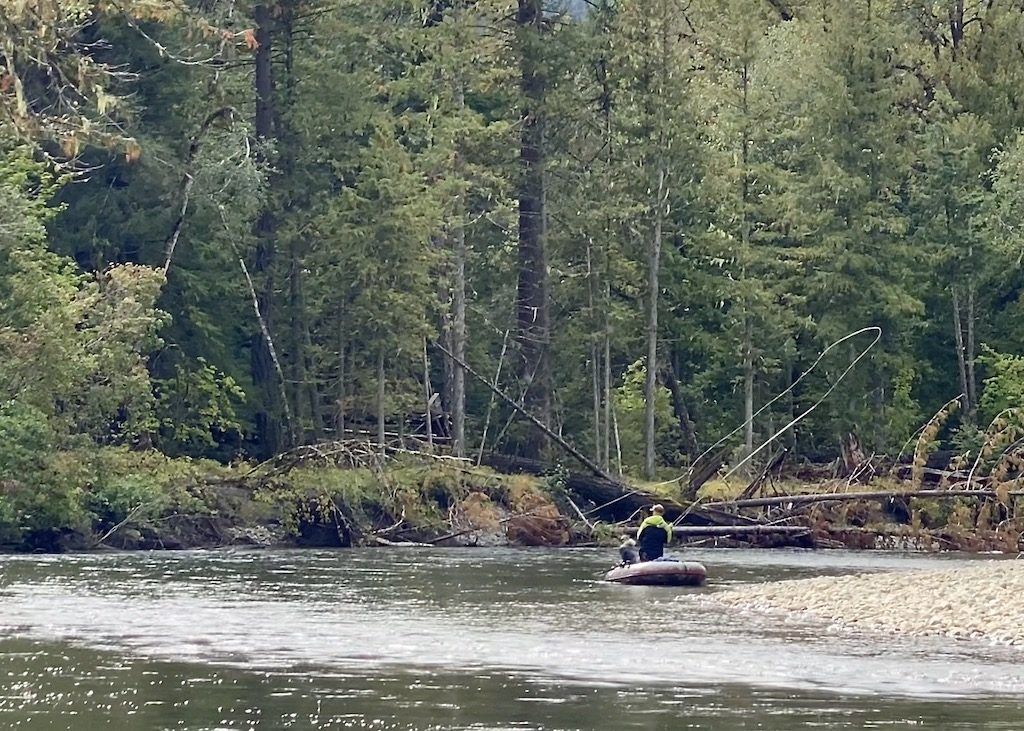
(758, 482)
(582, 458)
(732, 530)
(703, 469)
(807, 499)
(188, 179)
(273, 351)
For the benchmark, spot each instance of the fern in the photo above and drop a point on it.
(926, 440)
(1002, 434)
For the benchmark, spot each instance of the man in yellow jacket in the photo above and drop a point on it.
(653, 534)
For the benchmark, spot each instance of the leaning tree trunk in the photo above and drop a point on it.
(681, 410)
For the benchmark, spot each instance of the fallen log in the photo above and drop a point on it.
(612, 501)
(732, 530)
(934, 475)
(738, 530)
(809, 498)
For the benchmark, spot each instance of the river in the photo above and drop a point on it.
(431, 639)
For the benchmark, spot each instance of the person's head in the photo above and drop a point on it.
(657, 509)
(627, 541)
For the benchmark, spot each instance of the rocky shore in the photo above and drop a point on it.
(985, 601)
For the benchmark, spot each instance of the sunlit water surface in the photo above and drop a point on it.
(463, 639)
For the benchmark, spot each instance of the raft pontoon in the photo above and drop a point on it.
(661, 572)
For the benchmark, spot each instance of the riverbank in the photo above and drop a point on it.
(122, 499)
(143, 500)
(968, 602)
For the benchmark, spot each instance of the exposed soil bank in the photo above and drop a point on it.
(119, 499)
(982, 601)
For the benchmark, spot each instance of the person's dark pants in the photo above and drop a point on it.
(650, 553)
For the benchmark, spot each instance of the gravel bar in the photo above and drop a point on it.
(983, 601)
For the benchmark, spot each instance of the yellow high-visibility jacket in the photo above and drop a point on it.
(657, 521)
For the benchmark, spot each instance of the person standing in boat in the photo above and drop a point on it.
(653, 534)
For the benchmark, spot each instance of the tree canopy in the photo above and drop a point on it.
(232, 228)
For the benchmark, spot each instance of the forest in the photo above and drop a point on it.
(232, 228)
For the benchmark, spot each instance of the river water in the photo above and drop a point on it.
(463, 639)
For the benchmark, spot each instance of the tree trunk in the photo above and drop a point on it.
(748, 325)
(458, 404)
(595, 357)
(316, 411)
(298, 345)
(605, 101)
(532, 314)
(490, 403)
(339, 419)
(608, 396)
(381, 396)
(458, 240)
(961, 361)
(969, 356)
(268, 342)
(618, 442)
(428, 398)
(268, 423)
(653, 268)
(748, 387)
(447, 337)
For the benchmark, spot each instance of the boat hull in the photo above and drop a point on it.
(659, 573)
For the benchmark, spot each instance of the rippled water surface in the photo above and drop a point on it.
(462, 639)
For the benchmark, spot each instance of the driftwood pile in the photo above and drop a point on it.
(595, 495)
(767, 520)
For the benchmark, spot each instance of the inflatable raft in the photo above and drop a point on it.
(662, 572)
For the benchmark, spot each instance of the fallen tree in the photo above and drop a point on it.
(808, 498)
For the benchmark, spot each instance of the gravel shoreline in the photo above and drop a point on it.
(975, 602)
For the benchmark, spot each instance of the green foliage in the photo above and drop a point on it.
(854, 164)
(1004, 207)
(119, 484)
(196, 408)
(629, 405)
(1004, 387)
(26, 438)
(904, 413)
(416, 494)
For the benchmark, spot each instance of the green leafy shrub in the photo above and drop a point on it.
(26, 439)
(630, 405)
(195, 409)
(34, 495)
(1004, 388)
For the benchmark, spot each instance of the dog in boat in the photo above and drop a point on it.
(628, 551)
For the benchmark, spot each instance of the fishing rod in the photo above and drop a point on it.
(793, 422)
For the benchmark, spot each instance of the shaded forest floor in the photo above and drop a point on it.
(124, 500)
